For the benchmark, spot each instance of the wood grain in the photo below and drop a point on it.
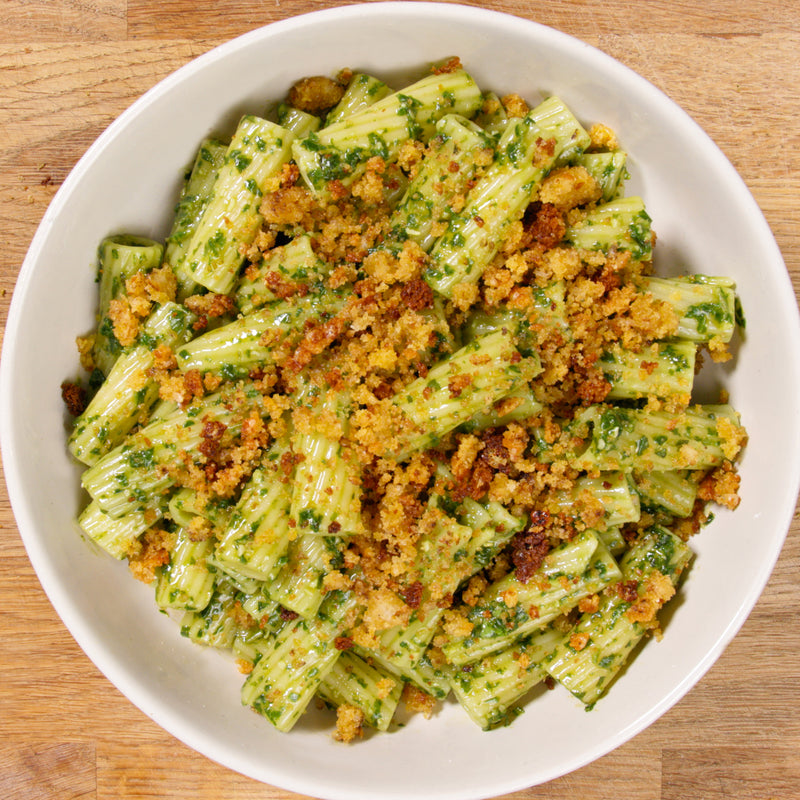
(68, 68)
(41, 772)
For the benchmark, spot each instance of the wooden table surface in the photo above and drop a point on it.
(69, 67)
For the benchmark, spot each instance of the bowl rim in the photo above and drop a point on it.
(10, 444)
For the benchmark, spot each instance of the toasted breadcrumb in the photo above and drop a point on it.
(514, 105)
(153, 552)
(74, 397)
(578, 640)
(452, 64)
(602, 138)
(657, 590)
(409, 156)
(456, 625)
(85, 345)
(417, 701)
(125, 320)
(244, 666)
(349, 723)
(568, 187)
(721, 486)
(384, 687)
(465, 295)
(733, 437)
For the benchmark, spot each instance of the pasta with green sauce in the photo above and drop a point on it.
(398, 411)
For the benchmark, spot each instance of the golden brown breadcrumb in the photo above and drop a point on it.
(349, 723)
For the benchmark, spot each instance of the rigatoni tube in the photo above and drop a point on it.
(509, 608)
(492, 685)
(326, 489)
(451, 162)
(705, 305)
(129, 389)
(340, 151)
(119, 258)
(134, 475)
(193, 200)
(362, 92)
(454, 390)
(621, 225)
(359, 683)
(293, 663)
(231, 218)
(257, 535)
(636, 439)
(250, 341)
(526, 152)
(589, 657)
(664, 370)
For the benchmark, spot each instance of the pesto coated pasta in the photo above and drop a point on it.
(399, 412)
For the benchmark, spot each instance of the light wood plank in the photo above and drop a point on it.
(164, 768)
(721, 773)
(230, 18)
(63, 771)
(24, 21)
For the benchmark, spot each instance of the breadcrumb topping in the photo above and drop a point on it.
(349, 723)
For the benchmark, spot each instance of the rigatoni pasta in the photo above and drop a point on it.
(399, 410)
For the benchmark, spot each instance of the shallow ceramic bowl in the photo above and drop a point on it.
(128, 181)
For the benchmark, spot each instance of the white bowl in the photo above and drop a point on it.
(706, 221)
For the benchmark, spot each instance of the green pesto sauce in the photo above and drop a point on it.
(239, 160)
(495, 619)
(215, 244)
(639, 230)
(708, 315)
(612, 423)
(739, 313)
(676, 359)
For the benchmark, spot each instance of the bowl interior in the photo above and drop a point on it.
(706, 222)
